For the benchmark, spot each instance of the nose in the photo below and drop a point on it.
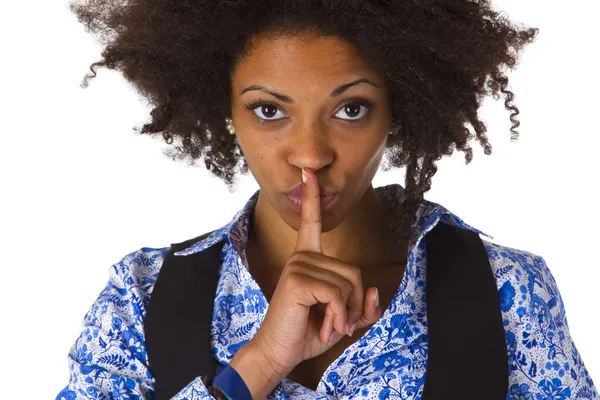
(310, 147)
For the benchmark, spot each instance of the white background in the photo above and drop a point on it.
(80, 189)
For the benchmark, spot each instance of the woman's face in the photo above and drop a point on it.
(315, 121)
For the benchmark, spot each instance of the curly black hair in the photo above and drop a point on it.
(440, 58)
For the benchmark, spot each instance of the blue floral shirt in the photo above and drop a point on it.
(108, 359)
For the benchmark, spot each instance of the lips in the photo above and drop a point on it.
(326, 201)
(297, 191)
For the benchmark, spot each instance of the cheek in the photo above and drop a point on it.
(362, 162)
(260, 156)
(366, 153)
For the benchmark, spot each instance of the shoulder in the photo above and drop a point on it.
(140, 268)
(109, 353)
(524, 279)
(543, 358)
(130, 283)
(526, 285)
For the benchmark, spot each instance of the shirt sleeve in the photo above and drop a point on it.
(108, 359)
(561, 372)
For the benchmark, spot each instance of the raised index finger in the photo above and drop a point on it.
(309, 232)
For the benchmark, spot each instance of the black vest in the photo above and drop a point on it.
(467, 356)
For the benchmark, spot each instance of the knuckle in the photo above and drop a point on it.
(295, 264)
(348, 287)
(292, 273)
(299, 256)
(339, 293)
(289, 268)
(357, 272)
(334, 289)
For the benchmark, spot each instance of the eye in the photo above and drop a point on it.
(262, 106)
(356, 109)
(353, 108)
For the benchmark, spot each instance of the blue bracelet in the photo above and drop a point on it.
(231, 384)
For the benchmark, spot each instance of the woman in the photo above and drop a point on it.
(318, 278)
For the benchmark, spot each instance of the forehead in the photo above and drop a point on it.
(301, 60)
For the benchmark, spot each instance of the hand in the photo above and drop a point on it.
(292, 331)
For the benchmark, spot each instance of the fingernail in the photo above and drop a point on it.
(376, 297)
(331, 337)
(352, 329)
(304, 179)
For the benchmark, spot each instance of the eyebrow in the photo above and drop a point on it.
(286, 99)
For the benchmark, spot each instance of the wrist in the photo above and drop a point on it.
(257, 371)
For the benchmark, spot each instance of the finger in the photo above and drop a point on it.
(371, 311)
(356, 300)
(339, 281)
(329, 320)
(327, 326)
(327, 292)
(309, 232)
(340, 270)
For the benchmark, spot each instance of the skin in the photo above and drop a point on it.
(313, 133)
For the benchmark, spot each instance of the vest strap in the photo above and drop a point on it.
(467, 349)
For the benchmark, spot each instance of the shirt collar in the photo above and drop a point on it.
(428, 215)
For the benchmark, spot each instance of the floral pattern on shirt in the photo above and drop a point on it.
(108, 359)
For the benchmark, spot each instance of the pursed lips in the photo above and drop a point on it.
(297, 191)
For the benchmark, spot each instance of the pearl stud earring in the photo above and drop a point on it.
(229, 126)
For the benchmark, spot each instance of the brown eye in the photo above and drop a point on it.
(267, 110)
(356, 111)
(352, 110)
